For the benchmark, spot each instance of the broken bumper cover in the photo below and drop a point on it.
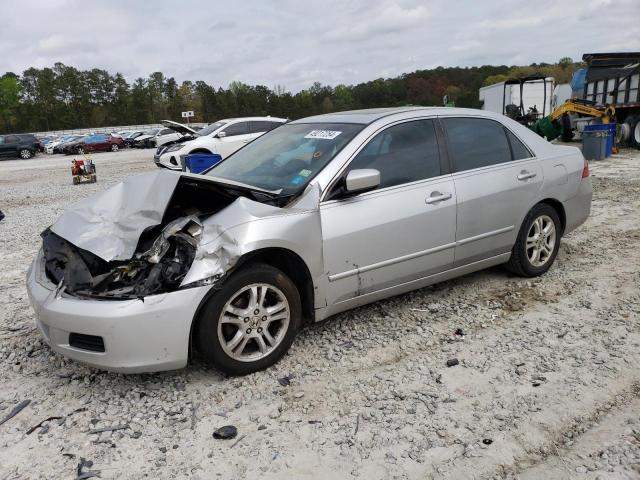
(138, 336)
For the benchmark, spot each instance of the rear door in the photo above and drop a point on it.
(3, 146)
(497, 180)
(236, 136)
(400, 232)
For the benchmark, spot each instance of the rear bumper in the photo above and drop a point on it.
(578, 208)
(139, 335)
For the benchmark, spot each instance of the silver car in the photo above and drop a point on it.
(316, 217)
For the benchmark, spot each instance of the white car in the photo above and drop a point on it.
(157, 137)
(223, 138)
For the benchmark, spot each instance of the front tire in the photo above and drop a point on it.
(538, 242)
(114, 147)
(250, 323)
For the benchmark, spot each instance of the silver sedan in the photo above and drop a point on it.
(316, 217)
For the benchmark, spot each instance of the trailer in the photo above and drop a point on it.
(612, 79)
(524, 99)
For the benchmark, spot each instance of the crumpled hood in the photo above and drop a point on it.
(172, 211)
(110, 223)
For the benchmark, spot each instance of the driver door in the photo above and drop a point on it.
(398, 233)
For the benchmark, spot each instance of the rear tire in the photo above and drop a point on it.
(80, 150)
(538, 242)
(25, 154)
(634, 138)
(114, 147)
(233, 337)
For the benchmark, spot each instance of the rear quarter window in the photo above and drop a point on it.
(476, 142)
(518, 149)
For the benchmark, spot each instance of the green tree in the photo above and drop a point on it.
(10, 89)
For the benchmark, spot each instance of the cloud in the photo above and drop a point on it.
(295, 43)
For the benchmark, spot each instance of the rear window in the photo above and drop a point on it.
(476, 142)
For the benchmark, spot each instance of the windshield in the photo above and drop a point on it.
(211, 128)
(287, 158)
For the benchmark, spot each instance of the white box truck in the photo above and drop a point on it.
(524, 99)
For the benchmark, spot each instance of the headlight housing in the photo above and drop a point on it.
(175, 147)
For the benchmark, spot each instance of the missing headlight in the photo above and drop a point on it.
(159, 269)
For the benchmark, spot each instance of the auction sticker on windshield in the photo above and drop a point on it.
(323, 134)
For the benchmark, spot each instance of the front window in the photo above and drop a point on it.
(287, 158)
(211, 128)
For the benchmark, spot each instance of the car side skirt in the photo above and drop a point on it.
(366, 298)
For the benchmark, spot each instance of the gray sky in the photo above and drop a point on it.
(294, 43)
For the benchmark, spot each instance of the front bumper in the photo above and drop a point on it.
(170, 160)
(139, 336)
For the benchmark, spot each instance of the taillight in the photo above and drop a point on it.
(585, 169)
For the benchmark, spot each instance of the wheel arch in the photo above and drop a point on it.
(559, 208)
(283, 259)
(201, 150)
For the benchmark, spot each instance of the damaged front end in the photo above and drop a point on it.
(158, 269)
(151, 234)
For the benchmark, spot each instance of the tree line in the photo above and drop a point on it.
(64, 97)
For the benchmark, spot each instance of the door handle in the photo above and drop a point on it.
(436, 197)
(524, 175)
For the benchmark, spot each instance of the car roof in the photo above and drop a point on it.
(245, 119)
(365, 116)
(368, 116)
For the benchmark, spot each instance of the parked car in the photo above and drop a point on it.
(67, 141)
(156, 137)
(185, 133)
(54, 142)
(313, 218)
(100, 143)
(20, 145)
(44, 141)
(223, 137)
(131, 137)
(97, 142)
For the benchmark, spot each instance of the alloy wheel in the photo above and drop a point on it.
(114, 148)
(25, 154)
(541, 240)
(253, 322)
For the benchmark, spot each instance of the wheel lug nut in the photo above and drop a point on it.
(259, 330)
(264, 319)
(256, 311)
(248, 330)
(246, 319)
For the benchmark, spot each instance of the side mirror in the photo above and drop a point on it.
(362, 180)
(221, 134)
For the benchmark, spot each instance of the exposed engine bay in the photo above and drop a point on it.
(164, 252)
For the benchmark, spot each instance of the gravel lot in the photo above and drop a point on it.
(548, 384)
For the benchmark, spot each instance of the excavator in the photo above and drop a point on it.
(557, 123)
